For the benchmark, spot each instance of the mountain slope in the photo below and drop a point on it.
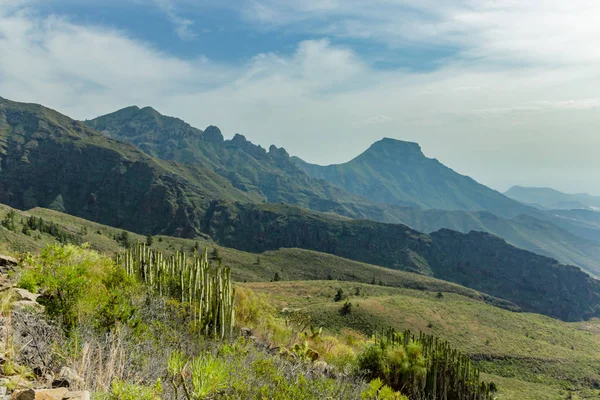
(397, 172)
(553, 199)
(392, 171)
(477, 260)
(49, 160)
(540, 236)
(269, 175)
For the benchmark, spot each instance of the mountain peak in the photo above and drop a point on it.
(395, 148)
(213, 134)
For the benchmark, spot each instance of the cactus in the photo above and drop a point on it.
(209, 291)
(450, 374)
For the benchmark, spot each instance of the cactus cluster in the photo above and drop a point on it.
(192, 281)
(450, 375)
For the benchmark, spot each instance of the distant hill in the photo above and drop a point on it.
(551, 199)
(397, 172)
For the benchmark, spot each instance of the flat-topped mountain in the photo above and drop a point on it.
(397, 172)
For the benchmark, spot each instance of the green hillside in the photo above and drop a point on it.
(531, 356)
(477, 260)
(48, 160)
(289, 263)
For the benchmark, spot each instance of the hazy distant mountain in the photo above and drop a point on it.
(551, 199)
(397, 172)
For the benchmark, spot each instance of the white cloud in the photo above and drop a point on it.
(532, 122)
(183, 26)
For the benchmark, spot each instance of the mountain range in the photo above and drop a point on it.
(551, 199)
(139, 170)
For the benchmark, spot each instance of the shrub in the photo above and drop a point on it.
(75, 283)
(346, 308)
(121, 390)
(339, 295)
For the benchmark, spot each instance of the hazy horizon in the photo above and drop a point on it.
(506, 93)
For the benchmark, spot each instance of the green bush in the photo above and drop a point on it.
(76, 283)
(121, 390)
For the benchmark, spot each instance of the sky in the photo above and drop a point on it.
(505, 91)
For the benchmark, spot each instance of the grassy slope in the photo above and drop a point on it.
(523, 348)
(290, 264)
(538, 360)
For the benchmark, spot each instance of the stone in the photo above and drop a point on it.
(81, 395)
(246, 332)
(40, 394)
(70, 376)
(8, 261)
(25, 295)
(27, 305)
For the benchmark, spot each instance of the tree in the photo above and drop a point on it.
(257, 260)
(346, 308)
(215, 254)
(440, 295)
(9, 220)
(124, 239)
(276, 278)
(373, 280)
(149, 240)
(357, 291)
(339, 296)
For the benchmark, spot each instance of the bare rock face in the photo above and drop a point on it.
(24, 295)
(7, 263)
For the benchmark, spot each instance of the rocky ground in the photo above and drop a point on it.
(27, 371)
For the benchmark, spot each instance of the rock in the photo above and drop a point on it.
(81, 395)
(40, 394)
(322, 367)
(70, 376)
(27, 305)
(7, 261)
(25, 295)
(246, 332)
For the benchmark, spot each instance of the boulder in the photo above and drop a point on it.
(7, 262)
(27, 305)
(81, 395)
(68, 377)
(25, 295)
(40, 394)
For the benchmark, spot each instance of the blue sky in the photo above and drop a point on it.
(501, 90)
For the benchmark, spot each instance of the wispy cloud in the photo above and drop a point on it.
(511, 89)
(183, 26)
